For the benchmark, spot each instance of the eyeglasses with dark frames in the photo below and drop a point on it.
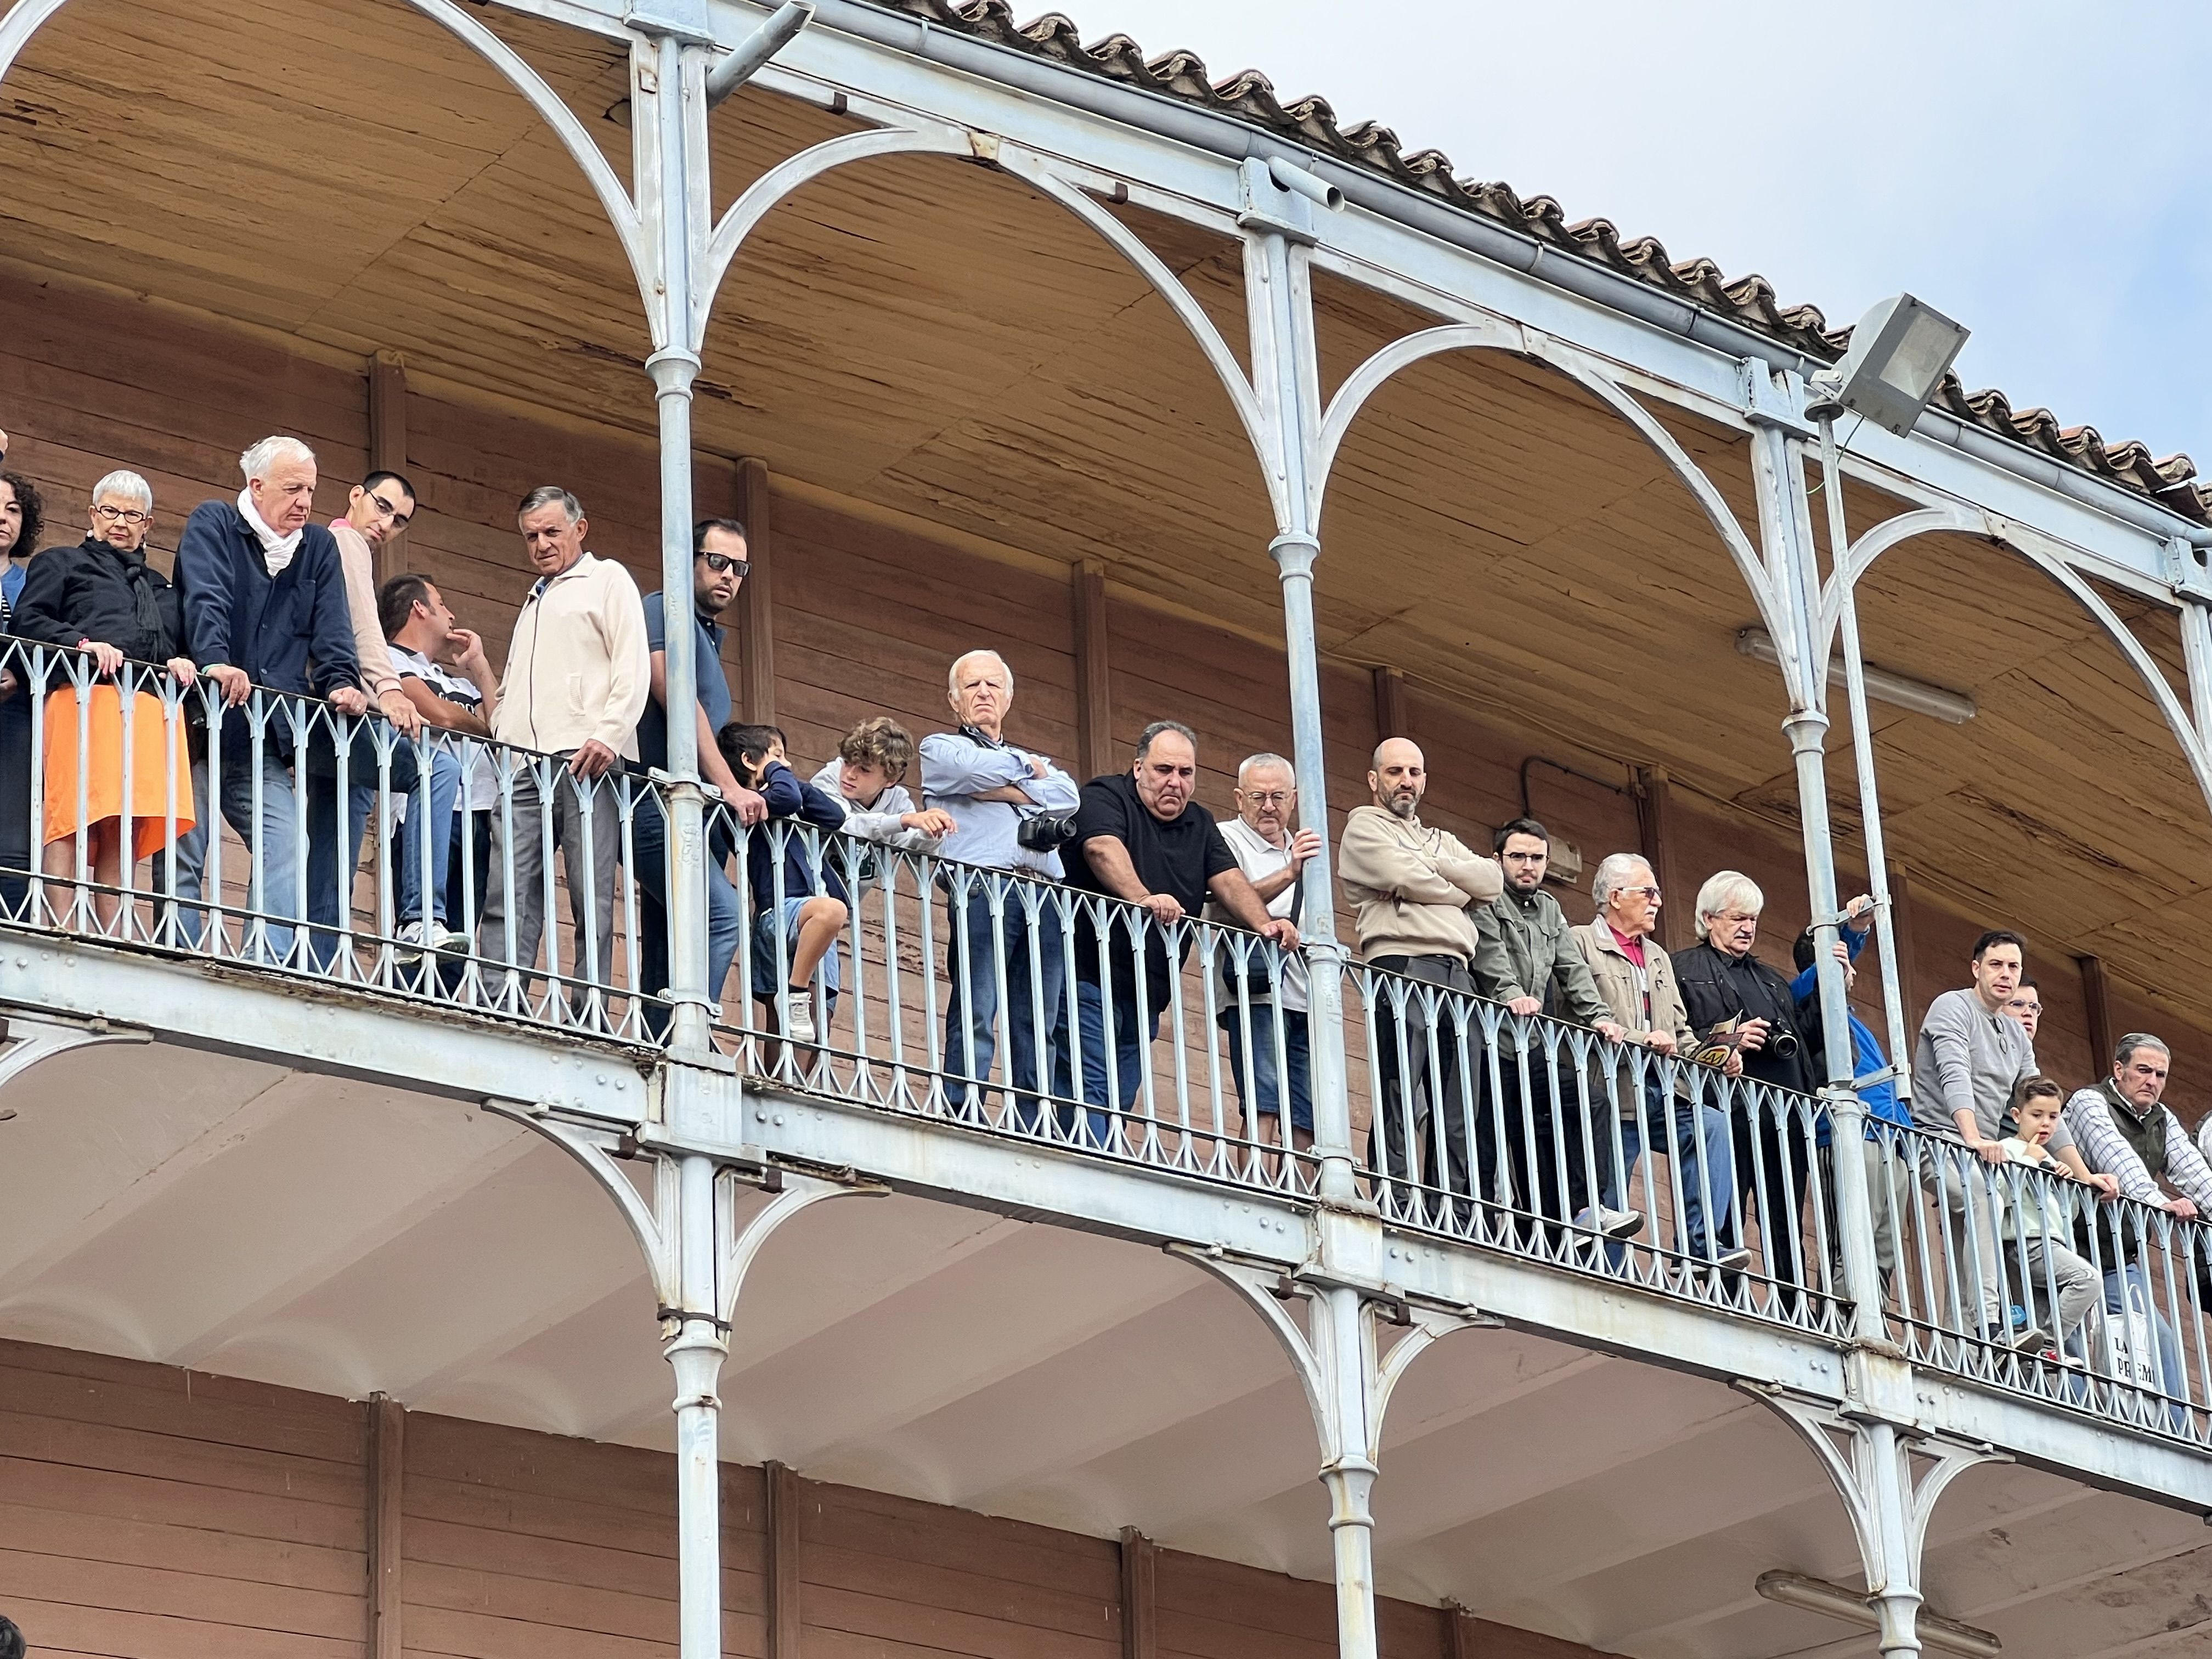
(723, 564)
(130, 515)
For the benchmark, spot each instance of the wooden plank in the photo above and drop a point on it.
(387, 444)
(1653, 812)
(1094, 675)
(2097, 1002)
(755, 628)
(1140, 1625)
(782, 1570)
(386, 1509)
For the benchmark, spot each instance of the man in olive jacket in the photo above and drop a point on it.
(1525, 958)
(1416, 890)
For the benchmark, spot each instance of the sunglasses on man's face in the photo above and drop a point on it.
(723, 564)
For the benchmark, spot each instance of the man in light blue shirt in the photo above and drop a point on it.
(991, 788)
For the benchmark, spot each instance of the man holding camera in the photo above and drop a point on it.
(1013, 809)
(1729, 992)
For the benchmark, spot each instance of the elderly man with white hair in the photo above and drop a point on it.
(1729, 992)
(265, 605)
(1263, 1008)
(1013, 809)
(1636, 979)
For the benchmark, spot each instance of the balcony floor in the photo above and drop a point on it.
(237, 1218)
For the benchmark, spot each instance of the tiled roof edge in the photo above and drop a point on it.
(1749, 301)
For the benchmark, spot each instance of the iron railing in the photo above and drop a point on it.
(1015, 1005)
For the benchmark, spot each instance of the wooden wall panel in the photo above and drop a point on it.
(146, 1513)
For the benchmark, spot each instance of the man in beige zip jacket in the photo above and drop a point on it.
(579, 671)
(1416, 890)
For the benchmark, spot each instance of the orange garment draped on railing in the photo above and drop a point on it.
(154, 779)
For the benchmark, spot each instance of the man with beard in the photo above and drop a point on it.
(1417, 890)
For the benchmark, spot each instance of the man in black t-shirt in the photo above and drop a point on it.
(1140, 837)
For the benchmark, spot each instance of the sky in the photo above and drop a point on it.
(2041, 172)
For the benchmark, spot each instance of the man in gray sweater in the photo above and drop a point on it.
(1970, 1059)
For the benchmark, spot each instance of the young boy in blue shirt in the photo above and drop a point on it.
(798, 912)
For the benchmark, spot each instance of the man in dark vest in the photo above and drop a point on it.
(2125, 1130)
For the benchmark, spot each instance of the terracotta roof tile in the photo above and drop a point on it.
(1747, 301)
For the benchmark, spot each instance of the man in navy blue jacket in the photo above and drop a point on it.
(265, 605)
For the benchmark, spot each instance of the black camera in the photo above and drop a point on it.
(1046, 832)
(1782, 1045)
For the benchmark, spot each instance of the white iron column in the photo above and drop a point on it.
(1278, 297)
(668, 100)
(1778, 472)
(1344, 1345)
(695, 1347)
(1877, 852)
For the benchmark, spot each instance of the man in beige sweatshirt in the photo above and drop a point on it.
(579, 671)
(1416, 890)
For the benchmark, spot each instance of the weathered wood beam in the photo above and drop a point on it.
(783, 1574)
(2097, 1004)
(387, 1461)
(1656, 840)
(756, 598)
(1140, 1633)
(1908, 958)
(1390, 717)
(387, 442)
(1094, 678)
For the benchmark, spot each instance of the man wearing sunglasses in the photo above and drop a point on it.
(377, 509)
(719, 566)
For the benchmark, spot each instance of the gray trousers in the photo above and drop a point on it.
(584, 823)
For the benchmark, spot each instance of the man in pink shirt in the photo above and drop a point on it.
(377, 509)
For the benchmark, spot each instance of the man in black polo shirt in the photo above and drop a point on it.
(1138, 836)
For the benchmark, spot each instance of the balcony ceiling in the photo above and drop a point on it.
(178, 1207)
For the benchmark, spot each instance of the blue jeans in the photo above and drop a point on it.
(1703, 1149)
(1262, 1093)
(1032, 951)
(726, 923)
(272, 888)
(1121, 1083)
(407, 871)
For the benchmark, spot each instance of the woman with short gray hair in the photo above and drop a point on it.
(102, 599)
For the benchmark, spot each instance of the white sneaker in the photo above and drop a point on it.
(410, 937)
(1733, 1261)
(799, 1021)
(450, 941)
(1613, 1224)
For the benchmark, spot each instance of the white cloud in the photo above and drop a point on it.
(2037, 169)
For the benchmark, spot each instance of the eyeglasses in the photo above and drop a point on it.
(1267, 797)
(1652, 893)
(723, 564)
(128, 515)
(1531, 858)
(389, 510)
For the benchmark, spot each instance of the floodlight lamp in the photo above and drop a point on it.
(1898, 353)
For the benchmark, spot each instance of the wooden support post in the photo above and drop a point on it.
(1390, 719)
(1462, 1640)
(756, 599)
(1140, 1637)
(783, 1576)
(1656, 840)
(2097, 1003)
(387, 442)
(1094, 679)
(387, 1461)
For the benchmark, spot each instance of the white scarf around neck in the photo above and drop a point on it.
(277, 550)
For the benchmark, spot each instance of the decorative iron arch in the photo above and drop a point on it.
(1585, 371)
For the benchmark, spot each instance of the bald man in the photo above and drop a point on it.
(1417, 890)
